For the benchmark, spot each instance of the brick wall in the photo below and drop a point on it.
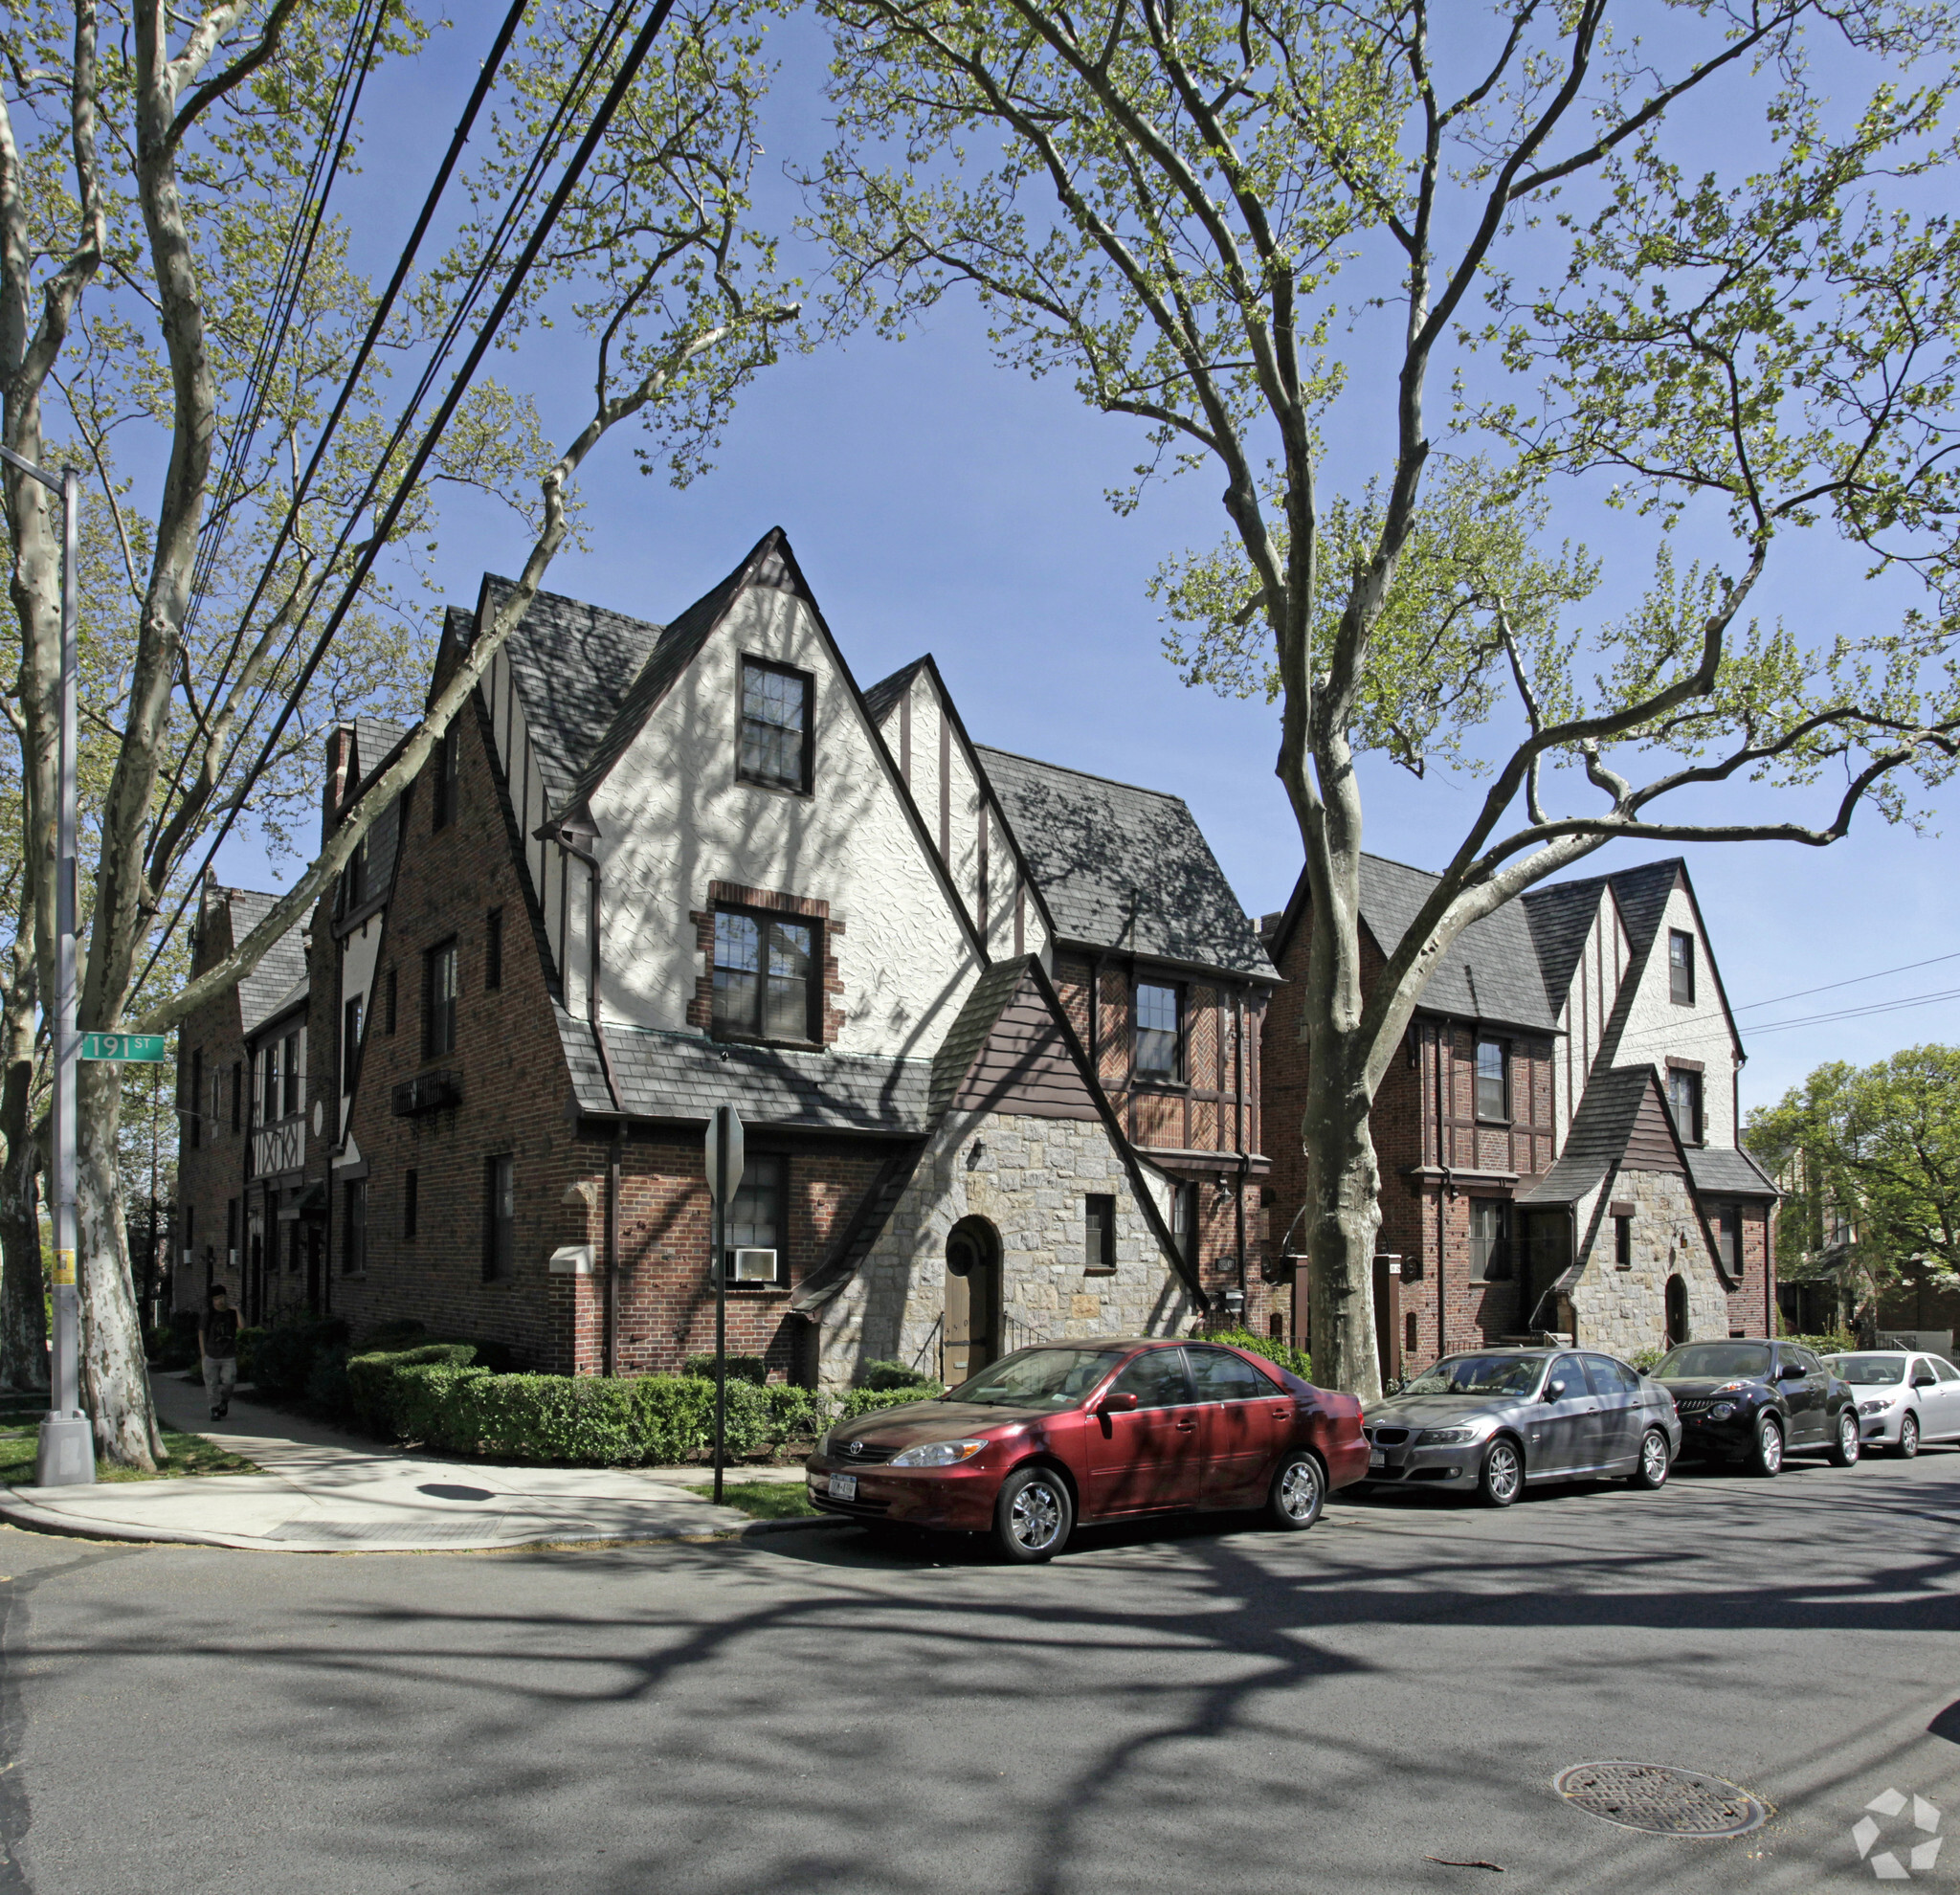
(210, 1173)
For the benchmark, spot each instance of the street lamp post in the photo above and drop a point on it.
(66, 1456)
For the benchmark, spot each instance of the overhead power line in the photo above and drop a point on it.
(1804, 994)
(1859, 1013)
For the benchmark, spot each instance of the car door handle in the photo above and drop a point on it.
(1185, 1427)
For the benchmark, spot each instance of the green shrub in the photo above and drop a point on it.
(883, 1376)
(282, 1354)
(248, 1351)
(867, 1401)
(175, 1345)
(373, 1380)
(1296, 1361)
(740, 1369)
(327, 1383)
(1646, 1360)
(1839, 1342)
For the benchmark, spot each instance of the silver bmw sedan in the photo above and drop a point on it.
(1494, 1419)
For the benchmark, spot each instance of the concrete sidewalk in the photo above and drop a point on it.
(323, 1492)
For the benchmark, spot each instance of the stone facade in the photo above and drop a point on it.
(1624, 1311)
(1028, 1178)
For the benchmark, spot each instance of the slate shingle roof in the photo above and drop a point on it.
(281, 975)
(1598, 1135)
(1123, 867)
(880, 698)
(968, 1032)
(1729, 1173)
(679, 1076)
(1561, 917)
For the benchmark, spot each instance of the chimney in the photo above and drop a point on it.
(338, 783)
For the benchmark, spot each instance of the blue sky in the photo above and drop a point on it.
(940, 503)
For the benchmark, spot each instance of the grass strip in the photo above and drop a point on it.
(763, 1499)
(189, 1454)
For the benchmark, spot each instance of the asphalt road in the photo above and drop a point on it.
(1203, 1707)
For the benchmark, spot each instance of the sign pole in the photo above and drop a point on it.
(66, 1446)
(724, 1167)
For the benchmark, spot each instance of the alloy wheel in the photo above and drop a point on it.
(1847, 1439)
(1036, 1517)
(1504, 1474)
(1300, 1490)
(1908, 1438)
(1654, 1458)
(1770, 1454)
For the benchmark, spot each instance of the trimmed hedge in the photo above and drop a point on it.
(373, 1380)
(282, 1354)
(893, 1374)
(1296, 1361)
(740, 1369)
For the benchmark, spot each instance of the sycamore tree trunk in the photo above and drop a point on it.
(1344, 1214)
(23, 1304)
(115, 1380)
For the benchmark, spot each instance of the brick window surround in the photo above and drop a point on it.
(700, 1010)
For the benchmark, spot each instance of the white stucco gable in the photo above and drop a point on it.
(674, 818)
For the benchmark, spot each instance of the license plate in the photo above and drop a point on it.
(843, 1487)
(1376, 1457)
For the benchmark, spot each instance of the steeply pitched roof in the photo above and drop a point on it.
(678, 1076)
(1123, 867)
(968, 1032)
(572, 665)
(880, 698)
(1561, 918)
(1600, 1128)
(271, 986)
(374, 737)
(1643, 896)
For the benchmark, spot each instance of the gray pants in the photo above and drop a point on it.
(220, 1378)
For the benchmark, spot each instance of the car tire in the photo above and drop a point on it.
(1652, 1471)
(1033, 1516)
(1501, 1479)
(1844, 1449)
(1297, 1495)
(1766, 1458)
(1909, 1438)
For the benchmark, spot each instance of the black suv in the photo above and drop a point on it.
(1754, 1401)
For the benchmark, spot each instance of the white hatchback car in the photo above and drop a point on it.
(1902, 1398)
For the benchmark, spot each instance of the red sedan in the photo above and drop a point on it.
(1095, 1429)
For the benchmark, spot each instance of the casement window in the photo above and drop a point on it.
(231, 1233)
(443, 797)
(354, 1227)
(388, 1008)
(1494, 1080)
(774, 744)
(1098, 1231)
(1727, 1222)
(1684, 1098)
(767, 984)
(1490, 1240)
(351, 1041)
(196, 1099)
(1184, 1221)
(438, 1001)
(754, 1232)
(268, 1100)
(500, 1218)
(354, 879)
(289, 1076)
(493, 950)
(1681, 968)
(1622, 1242)
(1160, 1034)
(411, 1205)
(190, 1231)
(237, 1090)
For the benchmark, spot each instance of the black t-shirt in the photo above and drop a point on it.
(220, 1333)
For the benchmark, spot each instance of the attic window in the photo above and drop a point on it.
(1681, 968)
(1160, 1037)
(773, 744)
(1684, 1098)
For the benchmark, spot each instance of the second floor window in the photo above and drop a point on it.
(1685, 1097)
(1160, 1040)
(268, 1082)
(351, 1042)
(442, 802)
(1493, 1080)
(289, 1076)
(774, 746)
(765, 977)
(499, 1219)
(1681, 968)
(1728, 1221)
(354, 1227)
(357, 875)
(438, 1001)
(196, 1100)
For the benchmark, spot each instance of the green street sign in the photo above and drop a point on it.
(146, 1048)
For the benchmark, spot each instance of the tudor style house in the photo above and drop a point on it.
(1558, 1138)
(993, 1026)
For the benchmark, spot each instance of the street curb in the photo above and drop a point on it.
(24, 1513)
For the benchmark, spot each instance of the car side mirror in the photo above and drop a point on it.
(1925, 1379)
(1791, 1371)
(1118, 1401)
(1555, 1389)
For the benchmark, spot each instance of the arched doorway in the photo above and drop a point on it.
(971, 1332)
(1676, 1311)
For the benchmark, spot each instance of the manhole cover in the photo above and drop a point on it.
(1662, 1801)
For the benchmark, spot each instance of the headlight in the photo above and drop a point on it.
(1721, 1411)
(1444, 1437)
(937, 1454)
(1878, 1407)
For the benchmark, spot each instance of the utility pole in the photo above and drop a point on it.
(66, 1456)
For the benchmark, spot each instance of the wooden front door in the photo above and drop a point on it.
(1677, 1312)
(973, 1303)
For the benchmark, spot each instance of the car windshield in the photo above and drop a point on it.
(1039, 1378)
(1693, 1361)
(1479, 1376)
(1868, 1370)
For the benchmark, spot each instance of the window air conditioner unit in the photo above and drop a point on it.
(753, 1267)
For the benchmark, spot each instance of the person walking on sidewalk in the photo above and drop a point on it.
(217, 1342)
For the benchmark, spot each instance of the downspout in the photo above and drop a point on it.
(563, 833)
(1442, 1189)
(1238, 1136)
(611, 1357)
